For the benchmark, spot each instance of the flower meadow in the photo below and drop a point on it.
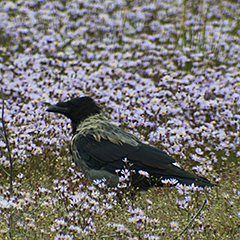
(167, 71)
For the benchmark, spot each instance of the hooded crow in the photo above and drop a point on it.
(98, 148)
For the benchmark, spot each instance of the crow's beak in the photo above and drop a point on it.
(57, 109)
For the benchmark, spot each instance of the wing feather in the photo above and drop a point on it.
(109, 154)
(102, 146)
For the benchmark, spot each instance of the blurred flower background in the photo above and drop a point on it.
(167, 71)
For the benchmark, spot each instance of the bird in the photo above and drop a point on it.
(100, 149)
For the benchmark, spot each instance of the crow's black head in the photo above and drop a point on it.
(76, 109)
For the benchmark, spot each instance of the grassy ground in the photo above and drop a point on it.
(167, 71)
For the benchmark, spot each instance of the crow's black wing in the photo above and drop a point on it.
(108, 155)
(102, 154)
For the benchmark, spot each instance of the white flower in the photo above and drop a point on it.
(174, 225)
(144, 173)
